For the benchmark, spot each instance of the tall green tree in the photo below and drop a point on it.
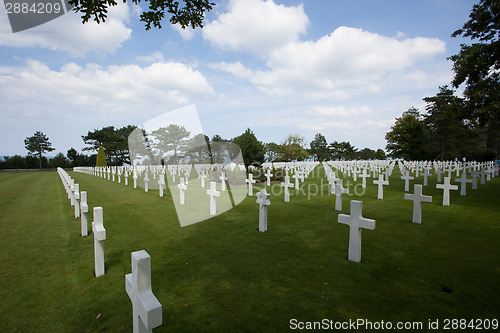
(319, 148)
(101, 158)
(252, 150)
(59, 161)
(343, 150)
(37, 145)
(187, 13)
(445, 119)
(293, 149)
(114, 141)
(273, 152)
(408, 136)
(478, 67)
(171, 138)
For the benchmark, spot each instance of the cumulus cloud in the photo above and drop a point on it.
(68, 34)
(256, 26)
(348, 61)
(125, 88)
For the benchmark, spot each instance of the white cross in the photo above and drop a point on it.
(268, 177)
(463, 183)
(407, 179)
(364, 175)
(297, 177)
(161, 182)
(446, 190)
(125, 175)
(474, 175)
(380, 182)
(338, 194)
(439, 172)
(417, 198)
(77, 200)
(135, 178)
(146, 180)
(223, 179)
(71, 193)
(356, 221)
(146, 310)
(287, 185)
(483, 174)
(84, 209)
(263, 201)
(202, 177)
(182, 187)
(99, 237)
(250, 182)
(213, 193)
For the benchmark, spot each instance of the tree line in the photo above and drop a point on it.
(452, 126)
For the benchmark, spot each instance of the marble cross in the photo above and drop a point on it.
(417, 198)
(356, 222)
(426, 174)
(146, 180)
(146, 310)
(99, 237)
(223, 179)
(338, 194)
(182, 187)
(77, 200)
(84, 210)
(263, 201)
(463, 183)
(364, 175)
(380, 182)
(407, 179)
(250, 182)
(268, 177)
(287, 185)
(213, 193)
(446, 187)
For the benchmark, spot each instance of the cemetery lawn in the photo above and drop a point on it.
(223, 275)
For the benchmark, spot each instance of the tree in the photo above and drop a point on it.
(273, 152)
(478, 66)
(381, 154)
(343, 150)
(59, 161)
(252, 150)
(445, 120)
(189, 15)
(114, 141)
(101, 158)
(319, 148)
(198, 150)
(367, 154)
(292, 149)
(170, 138)
(37, 145)
(407, 137)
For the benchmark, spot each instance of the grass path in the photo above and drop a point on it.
(222, 275)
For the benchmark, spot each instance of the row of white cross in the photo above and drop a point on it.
(146, 309)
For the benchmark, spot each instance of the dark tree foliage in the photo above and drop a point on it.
(187, 13)
(478, 67)
(252, 150)
(37, 145)
(319, 148)
(114, 141)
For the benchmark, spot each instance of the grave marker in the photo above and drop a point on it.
(213, 193)
(356, 221)
(263, 201)
(250, 182)
(446, 186)
(287, 185)
(182, 187)
(146, 310)
(85, 209)
(99, 237)
(380, 182)
(417, 198)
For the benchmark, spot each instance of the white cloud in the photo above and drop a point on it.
(67, 33)
(339, 111)
(186, 33)
(256, 26)
(120, 89)
(343, 64)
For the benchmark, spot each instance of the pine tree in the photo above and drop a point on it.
(101, 158)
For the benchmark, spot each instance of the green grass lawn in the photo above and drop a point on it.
(223, 275)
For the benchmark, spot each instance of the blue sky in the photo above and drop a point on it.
(345, 69)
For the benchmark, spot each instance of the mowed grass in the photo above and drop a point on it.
(223, 275)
